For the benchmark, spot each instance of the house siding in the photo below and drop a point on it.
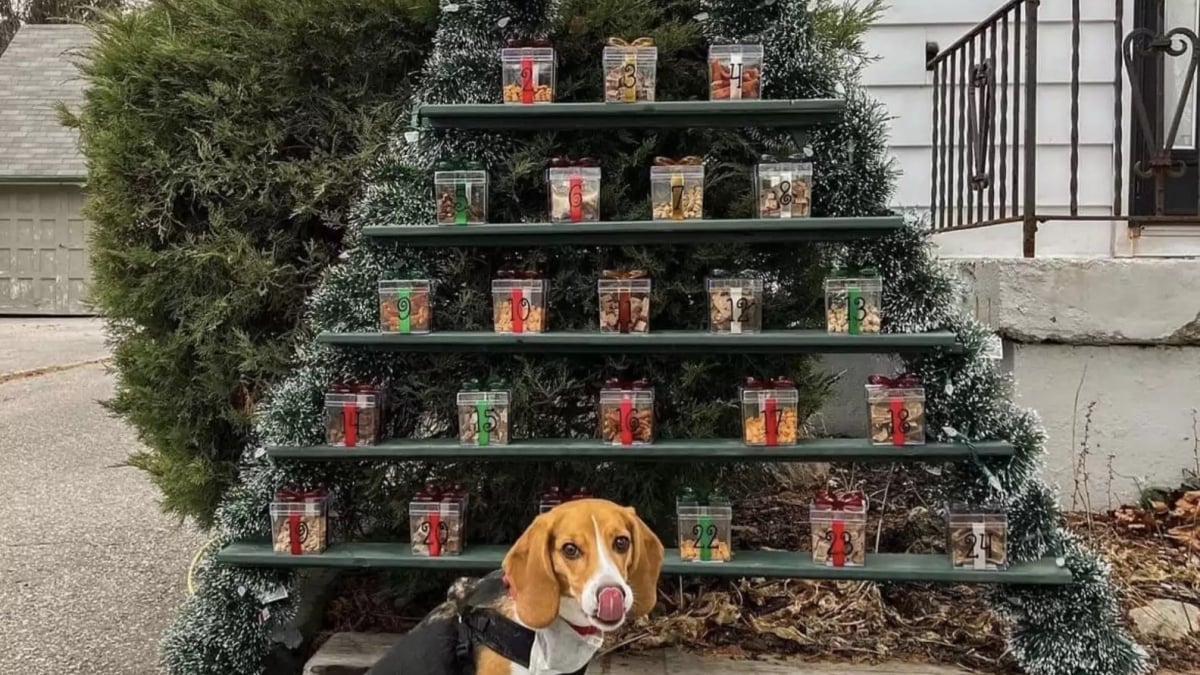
(899, 80)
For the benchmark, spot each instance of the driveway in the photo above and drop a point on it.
(91, 571)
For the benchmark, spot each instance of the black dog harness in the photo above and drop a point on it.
(488, 628)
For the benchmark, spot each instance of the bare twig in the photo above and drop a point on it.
(1074, 424)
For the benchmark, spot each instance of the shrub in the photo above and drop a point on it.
(225, 141)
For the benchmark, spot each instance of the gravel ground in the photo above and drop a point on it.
(90, 570)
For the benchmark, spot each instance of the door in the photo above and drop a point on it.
(1162, 81)
(43, 250)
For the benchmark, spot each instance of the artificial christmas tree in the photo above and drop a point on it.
(554, 378)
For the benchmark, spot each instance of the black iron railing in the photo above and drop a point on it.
(984, 120)
(984, 126)
(1146, 52)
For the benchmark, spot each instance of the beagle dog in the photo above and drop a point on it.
(581, 570)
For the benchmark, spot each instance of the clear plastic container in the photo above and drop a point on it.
(462, 197)
(624, 305)
(627, 415)
(770, 417)
(705, 531)
(352, 418)
(897, 414)
(630, 73)
(784, 189)
(735, 72)
(299, 523)
(852, 303)
(977, 537)
(528, 74)
(519, 305)
(735, 305)
(574, 194)
(483, 417)
(436, 527)
(404, 306)
(677, 191)
(839, 535)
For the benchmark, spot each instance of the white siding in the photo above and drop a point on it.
(899, 79)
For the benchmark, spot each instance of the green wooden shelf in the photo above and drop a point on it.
(640, 232)
(675, 450)
(662, 342)
(778, 564)
(794, 114)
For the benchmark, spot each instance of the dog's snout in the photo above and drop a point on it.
(610, 604)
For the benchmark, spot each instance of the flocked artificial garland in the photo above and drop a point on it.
(230, 625)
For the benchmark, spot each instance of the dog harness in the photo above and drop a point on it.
(488, 628)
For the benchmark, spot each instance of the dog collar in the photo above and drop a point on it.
(488, 628)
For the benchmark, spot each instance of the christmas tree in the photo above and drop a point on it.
(1059, 630)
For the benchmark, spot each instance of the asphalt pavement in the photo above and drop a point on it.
(91, 571)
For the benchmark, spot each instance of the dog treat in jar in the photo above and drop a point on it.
(784, 188)
(435, 521)
(483, 417)
(519, 302)
(353, 415)
(299, 522)
(624, 301)
(677, 188)
(977, 537)
(852, 302)
(627, 412)
(461, 192)
(404, 306)
(705, 527)
(630, 70)
(528, 71)
(735, 72)
(770, 412)
(734, 305)
(897, 410)
(839, 529)
(573, 190)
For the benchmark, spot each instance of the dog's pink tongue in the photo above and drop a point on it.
(611, 604)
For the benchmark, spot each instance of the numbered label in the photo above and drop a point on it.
(900, 421)
(785, 193)
(704, 537)
(426, 532)
(741, 310)
(860, 308)
(490, 425)
(847, 542)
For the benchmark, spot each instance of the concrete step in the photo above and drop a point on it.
(354, 653)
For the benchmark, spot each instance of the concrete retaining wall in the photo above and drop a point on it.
(1119, 335)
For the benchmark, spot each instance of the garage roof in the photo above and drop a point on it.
(36, 72)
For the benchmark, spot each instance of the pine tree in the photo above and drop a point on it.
(1068, 631)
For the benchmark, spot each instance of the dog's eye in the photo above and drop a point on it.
(570, 551)
(621, 544)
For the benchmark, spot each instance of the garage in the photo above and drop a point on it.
(43, 250)
(43, 235)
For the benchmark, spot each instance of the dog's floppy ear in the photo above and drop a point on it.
(646, 565)
(531, 575)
